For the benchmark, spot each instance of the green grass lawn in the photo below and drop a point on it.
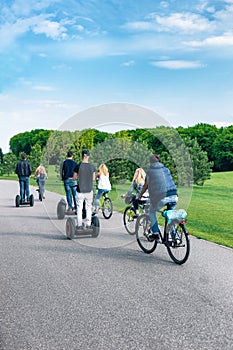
(209, 212)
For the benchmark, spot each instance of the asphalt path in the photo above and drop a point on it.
(105, 293)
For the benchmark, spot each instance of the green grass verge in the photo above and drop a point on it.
(209, 211)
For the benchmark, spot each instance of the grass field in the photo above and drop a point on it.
(209, 212)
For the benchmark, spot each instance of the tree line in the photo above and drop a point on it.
(190, 153)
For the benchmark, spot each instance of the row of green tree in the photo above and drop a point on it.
(190, 153)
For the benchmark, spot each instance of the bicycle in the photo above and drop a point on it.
(129, 215)
(41, 187)
(105, 205)
(175, 235)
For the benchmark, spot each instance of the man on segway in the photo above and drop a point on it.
(24, 170)
(85, 173)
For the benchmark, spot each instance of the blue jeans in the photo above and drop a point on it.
(98, 195)
(158, 206)
(24, 188)
(70, 188)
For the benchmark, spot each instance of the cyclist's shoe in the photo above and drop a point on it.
(176, 238)
(154, 236)
(88, 227)
(95, 211)
(135, 216)
(79, 228)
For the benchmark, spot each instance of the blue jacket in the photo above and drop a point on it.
(160, 182)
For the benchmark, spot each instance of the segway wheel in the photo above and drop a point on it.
(70, 228)
(17, 201)
(31, 200)
(96, 226)
(61, 209)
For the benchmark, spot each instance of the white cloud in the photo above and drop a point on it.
(188, 22)
(178, 64)
(216, 41)
(9, 32)
(51, 29)
(128, 63)
(140, 26)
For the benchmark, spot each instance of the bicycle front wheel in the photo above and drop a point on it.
(179, 248)
(129, 220)
(107, 208)
(142, 231)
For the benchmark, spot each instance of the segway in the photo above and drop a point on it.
(62, 210)
(19, 202)
(93, 230)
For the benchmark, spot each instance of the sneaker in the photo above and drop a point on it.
(154, 236)
(79, 228)
(69, 210)
(175, 237)
(88, 227)
(135, 216)
(95, 211)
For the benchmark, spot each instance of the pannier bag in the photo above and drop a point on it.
(175, 215)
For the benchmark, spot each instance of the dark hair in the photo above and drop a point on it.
(154, 158)
(85, 152)
(24, 156)
(69, 154)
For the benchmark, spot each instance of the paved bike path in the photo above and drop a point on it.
(104, 293)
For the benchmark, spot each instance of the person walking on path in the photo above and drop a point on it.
(67, 171)
(84, 172)
(24, 170)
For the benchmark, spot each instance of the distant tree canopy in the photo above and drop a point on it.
(24, 142)
(190, 153)
(216, 142)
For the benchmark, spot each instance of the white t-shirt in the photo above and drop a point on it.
(104, 183)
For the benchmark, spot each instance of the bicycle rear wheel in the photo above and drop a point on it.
(107, 208)
(179, 249)
(129, 220)
(142, 231)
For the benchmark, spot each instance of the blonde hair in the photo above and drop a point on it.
(40, 170)
(103, 170)
(139, 176)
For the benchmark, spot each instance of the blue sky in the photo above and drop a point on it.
(61, 57)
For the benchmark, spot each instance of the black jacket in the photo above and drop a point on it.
(23, 168)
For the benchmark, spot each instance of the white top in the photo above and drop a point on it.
(104, 183)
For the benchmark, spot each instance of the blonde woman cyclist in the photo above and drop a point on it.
(41, 176)
(104, 184)
(136, 186)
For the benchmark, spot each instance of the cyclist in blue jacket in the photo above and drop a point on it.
(162, 190)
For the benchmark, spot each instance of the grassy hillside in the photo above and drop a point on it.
(209, 213)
